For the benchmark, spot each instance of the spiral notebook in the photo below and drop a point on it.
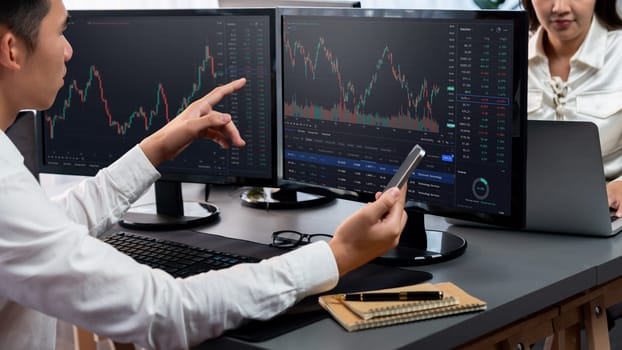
(371, 309)
(354, 316)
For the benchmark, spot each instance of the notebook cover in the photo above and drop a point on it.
(352, 322)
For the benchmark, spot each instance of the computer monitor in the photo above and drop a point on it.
(285, 196)
(361, 87)
(22, 134)
(132, 71)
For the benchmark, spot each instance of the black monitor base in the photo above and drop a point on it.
(169, 212)
(419, 246)
(281, 198)
(146, 217)
(441, 246)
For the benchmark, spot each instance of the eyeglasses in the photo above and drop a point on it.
(291, 239)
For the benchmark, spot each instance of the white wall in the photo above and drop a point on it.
(432, 4)
(126, 4)
(137, 4)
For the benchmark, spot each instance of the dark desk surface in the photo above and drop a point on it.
(516, 273)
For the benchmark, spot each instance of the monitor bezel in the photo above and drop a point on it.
(184, 175)
(519, 108)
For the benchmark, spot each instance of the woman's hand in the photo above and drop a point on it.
(614, 196)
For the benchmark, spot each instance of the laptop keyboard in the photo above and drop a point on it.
(178, 259)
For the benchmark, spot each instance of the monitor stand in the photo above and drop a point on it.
(418, 246)
(281, 198)
(169, 212)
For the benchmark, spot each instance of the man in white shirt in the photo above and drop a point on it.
(52, 266)
(575, 57)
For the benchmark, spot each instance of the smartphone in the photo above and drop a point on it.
(409, 164)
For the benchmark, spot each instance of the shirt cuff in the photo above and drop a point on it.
(133, 173)
(314, 267)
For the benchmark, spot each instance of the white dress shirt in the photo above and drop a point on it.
(52, 267)
(593, 91)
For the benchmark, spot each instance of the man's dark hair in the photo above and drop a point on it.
(605, 10)
(23, 17)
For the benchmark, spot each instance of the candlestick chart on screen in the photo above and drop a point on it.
(356, 101)
(131, 76)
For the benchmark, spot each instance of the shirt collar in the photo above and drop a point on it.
(8, 149)
(591, 52)
(594, 48)
(536, 49)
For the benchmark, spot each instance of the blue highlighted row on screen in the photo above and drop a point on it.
(418, 174)
(449, 158)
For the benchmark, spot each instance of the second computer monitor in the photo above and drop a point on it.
(361, 87)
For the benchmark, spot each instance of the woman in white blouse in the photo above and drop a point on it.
(575, 60)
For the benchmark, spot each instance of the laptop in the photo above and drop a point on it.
(566, 190)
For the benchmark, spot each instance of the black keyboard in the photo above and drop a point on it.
(178, 259)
